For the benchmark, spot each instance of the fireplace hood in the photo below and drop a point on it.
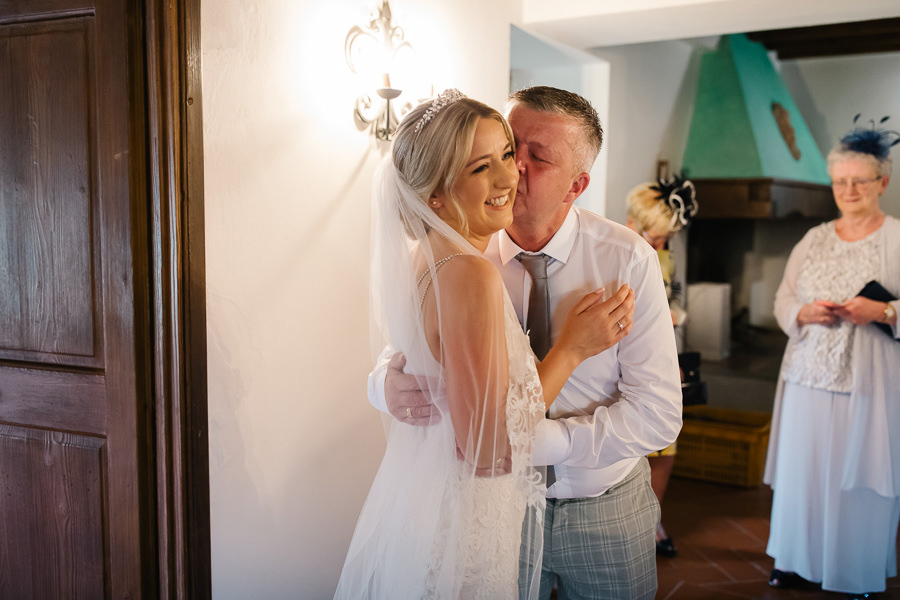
(749, 151)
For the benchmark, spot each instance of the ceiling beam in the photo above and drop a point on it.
(861, 37)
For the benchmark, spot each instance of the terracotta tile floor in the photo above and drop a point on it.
(721, 534)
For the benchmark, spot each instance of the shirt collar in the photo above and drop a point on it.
(559, 247)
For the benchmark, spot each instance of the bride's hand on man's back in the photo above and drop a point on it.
(593, 326)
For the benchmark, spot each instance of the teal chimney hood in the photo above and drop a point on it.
(749, 151)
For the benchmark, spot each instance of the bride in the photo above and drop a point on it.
(454, 504)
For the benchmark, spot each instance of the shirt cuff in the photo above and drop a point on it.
(896, 325)
(376, 388)
(551, 443)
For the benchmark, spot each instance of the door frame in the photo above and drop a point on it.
(171, 107)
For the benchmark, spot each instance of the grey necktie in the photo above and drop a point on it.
(538, 319)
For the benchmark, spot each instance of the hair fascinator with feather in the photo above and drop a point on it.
(679, 194)
(870, 140)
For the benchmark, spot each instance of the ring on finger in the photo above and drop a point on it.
(408, 413)
(619, 323)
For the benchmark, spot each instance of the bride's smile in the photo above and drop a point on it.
(482, 198)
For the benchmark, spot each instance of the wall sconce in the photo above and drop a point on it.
(371, 51)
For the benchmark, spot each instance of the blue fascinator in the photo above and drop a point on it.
(870, 140)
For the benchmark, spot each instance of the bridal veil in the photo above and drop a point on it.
(456, 506)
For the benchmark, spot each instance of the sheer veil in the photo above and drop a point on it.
(454, 501)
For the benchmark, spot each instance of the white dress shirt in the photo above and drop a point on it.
(623, 403)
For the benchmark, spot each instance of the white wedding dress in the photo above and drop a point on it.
(431, 527)
(493, 529)
(431, 530)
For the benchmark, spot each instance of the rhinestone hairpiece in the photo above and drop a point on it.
(446, 98)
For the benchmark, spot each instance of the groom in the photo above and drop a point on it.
(618, 406)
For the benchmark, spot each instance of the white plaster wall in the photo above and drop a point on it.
(652, 91)
(652, 88)
(294, 444)
(831, 91)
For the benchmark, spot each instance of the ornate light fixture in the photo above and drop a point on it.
(371, 50)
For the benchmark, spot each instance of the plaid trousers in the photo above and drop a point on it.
(603, 547)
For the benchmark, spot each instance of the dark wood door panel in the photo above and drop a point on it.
(73, 423)
(64, 401)
(103, 447)
(50, 301)
(51, 514)
(18, 11)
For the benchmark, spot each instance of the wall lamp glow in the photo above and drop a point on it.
(372, 51)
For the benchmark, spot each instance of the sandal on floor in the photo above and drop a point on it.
(783, 579)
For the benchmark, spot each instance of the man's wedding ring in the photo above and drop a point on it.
(619, 323)
(408, 413)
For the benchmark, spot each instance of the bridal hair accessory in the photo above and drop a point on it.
(446, 98)
(876, 142)
(679, 194)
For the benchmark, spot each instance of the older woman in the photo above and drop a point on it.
(657, 212)
(834, 452)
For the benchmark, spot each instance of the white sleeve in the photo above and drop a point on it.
(376, 380)
(787, 304)
(647, 415)
(896, 326)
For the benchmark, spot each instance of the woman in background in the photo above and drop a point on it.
(657, 212)
(834, 453)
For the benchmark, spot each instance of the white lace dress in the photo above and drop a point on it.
(828, 523)
(428, 528)
(500, 503)
(835, 270)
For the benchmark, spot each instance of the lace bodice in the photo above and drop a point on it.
(833, 270)
(498, 504)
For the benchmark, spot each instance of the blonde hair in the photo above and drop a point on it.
(648, 211)
(432, 158)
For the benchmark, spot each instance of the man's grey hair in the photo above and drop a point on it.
(553, 100)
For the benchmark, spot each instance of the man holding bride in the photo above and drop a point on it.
(616, 406)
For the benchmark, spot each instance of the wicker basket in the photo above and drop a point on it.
(723, 445)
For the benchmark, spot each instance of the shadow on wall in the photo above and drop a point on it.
(233, 493)
(674, 139)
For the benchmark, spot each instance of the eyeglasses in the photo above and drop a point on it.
(855, 182)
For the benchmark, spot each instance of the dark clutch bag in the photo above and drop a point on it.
(875, 291)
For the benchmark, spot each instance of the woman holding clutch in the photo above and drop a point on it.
(834, 453)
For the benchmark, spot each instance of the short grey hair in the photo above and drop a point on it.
(839, 154)
(567, 104)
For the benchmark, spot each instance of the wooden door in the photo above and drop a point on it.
(85, 482)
